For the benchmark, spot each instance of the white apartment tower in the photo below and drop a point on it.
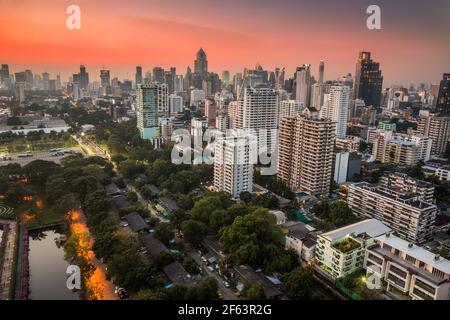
(233, 170)
(152, 101)
(303, 84)
(260, 111)
(336, 108)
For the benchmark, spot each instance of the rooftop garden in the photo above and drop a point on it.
(347, 245)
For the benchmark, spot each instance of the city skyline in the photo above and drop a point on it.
(153, 33)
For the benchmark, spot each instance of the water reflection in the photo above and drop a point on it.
(48, 267)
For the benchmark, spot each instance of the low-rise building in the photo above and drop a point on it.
(301, 238)
(408, 268)
(341, 251)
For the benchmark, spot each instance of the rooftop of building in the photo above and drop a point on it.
(416, 252)
(136, 222)
(367, 228)
(404, 197)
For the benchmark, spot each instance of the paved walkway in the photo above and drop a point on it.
(7, 268)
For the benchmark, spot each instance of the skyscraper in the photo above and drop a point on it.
(138, 76)
(306, 154)
(336, 108)
(443, 101)
(368, 80)
(158, 75)
(151, 102)
(226, 77)
(321, 70)
(4, 73)
(303, 84)
(105, 79)
(233, 170)
(83, 77)
(201, 63)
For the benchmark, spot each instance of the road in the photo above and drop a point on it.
(8, 260)
(228, 294)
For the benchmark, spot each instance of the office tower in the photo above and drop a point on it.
(179, 84)
(210, 111)
(20, 91)
(306, 154)
(138, 75)
(83, 78)
(332, 247)
(321, 70)
(201, 63)
(4, 73)
(152, 102)
(58, 82)
(289, 108)
(303, 84)
(233, 170)
(226, 77)
(401, 149)
(336, 108)
(443, 100)
(105, 79)
(437, 128)
(368, 80)
(407, 269)
(260, 111)
(158, 75)
(279, 78)
(410, 217)
(236, 114)
(46, 81)
(175, 104)
(317, 94)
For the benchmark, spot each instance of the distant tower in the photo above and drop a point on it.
(201, 63)
(321, 71)
(303, 84)
(138, 77)
(443, 101)
(368, 80)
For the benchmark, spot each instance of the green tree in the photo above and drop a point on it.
(206, 289)
(164, 232)
(299, 284)
(194, 231)
(254, 291)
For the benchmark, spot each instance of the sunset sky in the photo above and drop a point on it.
(413, 45)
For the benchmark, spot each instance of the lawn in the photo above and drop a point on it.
(44, 143)
(354, 285)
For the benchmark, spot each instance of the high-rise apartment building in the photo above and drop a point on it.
(336, 108)
(368, 80)
(290, 108)
(437, 127)
(306, 154)
(260, 111)
(105, 78)
(321, 70)
(410, 217)
(233, 170)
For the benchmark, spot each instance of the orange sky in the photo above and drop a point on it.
(234, 34)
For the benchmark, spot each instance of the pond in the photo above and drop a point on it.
(48, 267)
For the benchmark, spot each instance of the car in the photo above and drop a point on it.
(226, 284)
(210, 268)
(125, 225)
